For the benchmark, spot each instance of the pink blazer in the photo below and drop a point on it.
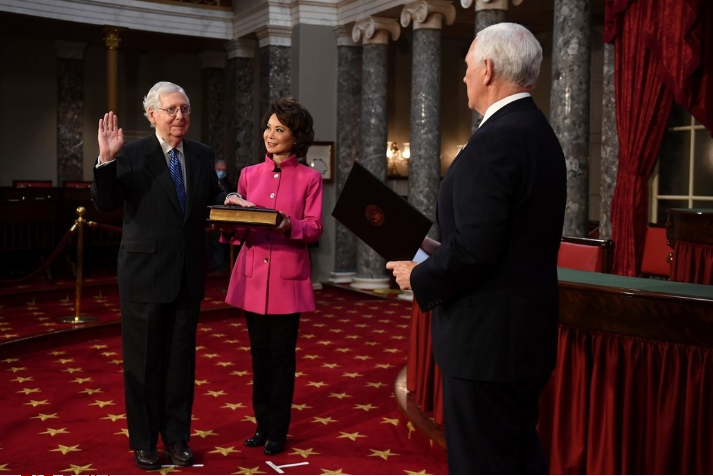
(272, 274)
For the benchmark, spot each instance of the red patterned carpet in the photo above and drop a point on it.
(63, 409)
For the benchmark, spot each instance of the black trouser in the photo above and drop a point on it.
(491, 426)
(159, 352)
(273, 340)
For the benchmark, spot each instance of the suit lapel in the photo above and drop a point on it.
(156, 163)
(193, 174)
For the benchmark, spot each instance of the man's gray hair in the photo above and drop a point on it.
(152, 100)
(514, 51)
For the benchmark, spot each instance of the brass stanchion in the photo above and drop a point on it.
(79, 226)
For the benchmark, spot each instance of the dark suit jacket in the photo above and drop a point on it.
(158, 241)
(493, 281)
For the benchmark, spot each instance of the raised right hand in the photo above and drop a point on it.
(110, 137)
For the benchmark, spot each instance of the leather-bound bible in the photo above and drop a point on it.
(243, 216)
(379, 216)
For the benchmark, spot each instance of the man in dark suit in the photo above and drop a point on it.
(492, 282)
(164, 184)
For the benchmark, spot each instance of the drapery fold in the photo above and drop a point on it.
(693, 263)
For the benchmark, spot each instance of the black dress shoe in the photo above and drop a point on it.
(180, 454)
(147, 459)
(273, 447)
(258, 439)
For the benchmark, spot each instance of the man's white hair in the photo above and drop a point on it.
(153, 97)
(514, 51)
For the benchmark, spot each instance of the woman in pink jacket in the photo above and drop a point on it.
(271, 279)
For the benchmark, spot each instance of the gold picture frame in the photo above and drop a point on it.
(320, 157)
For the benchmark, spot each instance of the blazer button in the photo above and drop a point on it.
(265, 260)
(272, 195)
(276, 176)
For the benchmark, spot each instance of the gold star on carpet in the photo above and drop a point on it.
(378, 331)
(398, 337)
(393, 421)
(336, 331)
(231, 341)
(246, 348)
(112, 417)
(300, 407)
(304, 453)
(316, 384)
(3, 467)
(224, 364)
(383, 454)
(57, 352)
(44, 416)
(16, 369)
(71, 370)
(201, 382)
(81, 380)
(36, 403)
(92, 391)
(331, 471)
(352, 374)
(312, 357)
(210, 356)
(300, 374)
(351, 436)
(108, 354)
(98, 346)
(28, 391)
(239, 373)
(323, 421)
(215, 393)
(249, 470)
(319, 325)
(225, 451)
(353, 337)
(102, 403)
(233, 406)
(205, 329)
(383, 366)
(77, 469)
(362, 357)
(307, 336)
(392, 351)
(64, 361)
(366, 408)
(423, 471)
(9, 361)
(204, 433)
(66, 449)
(339, 395)
(199, 347)
(360, 325)
(404, 326)
(250, 419)
(375, 384)
(331, 366)
(123, 431)
(371, 343)
(324, 342)
(115, 362)
(55, 431)
(343, 349)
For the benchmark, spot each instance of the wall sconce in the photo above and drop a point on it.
(397, 160)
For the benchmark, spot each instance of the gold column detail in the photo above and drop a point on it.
(111, 41)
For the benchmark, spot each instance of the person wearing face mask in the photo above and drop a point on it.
(221, 171)
(218, 252)
(271, 279)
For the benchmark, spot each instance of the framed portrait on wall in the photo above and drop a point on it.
(321, 158)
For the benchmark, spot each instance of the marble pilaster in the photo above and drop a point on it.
(349, 61)
(213, 115)
(70, 110)
(610, 144)
(240, 95)
(374, 31)
(569, 105)
(428, 17)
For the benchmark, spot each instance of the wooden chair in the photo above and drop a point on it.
(77, 184)
(32, 183)
(656, 262)
(586, 254)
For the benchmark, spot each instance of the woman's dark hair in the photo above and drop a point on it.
(298, 119)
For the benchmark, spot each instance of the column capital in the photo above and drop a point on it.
(240, 48)
(111, 36)
(274, 35)
(344, 36)
(212, 59)
(490, 4)
(375, 30)
(428, 14)
(69, 49)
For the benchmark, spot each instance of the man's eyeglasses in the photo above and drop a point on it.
(173, 111)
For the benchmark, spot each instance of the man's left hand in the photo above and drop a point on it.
(402, 272)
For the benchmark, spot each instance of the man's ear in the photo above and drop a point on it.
(488, 71)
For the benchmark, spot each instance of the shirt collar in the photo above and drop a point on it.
(502, 103)
(290, 163)
(166, 147)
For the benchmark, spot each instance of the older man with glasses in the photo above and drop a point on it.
(164, 183)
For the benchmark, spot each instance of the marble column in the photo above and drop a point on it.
(242, 121)
(70, 110)
(487, 12)
(349, 72)
(428, 17)
(111, 41)
(374, 33)
(569, 105)
(275, 66)
(213, 115)
(610, 144)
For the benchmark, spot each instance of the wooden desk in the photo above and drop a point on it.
(690, 233)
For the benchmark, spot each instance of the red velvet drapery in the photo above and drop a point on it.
(693, 263)
(663, 49)
(625, 405)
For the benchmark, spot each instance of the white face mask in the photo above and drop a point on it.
(221, 174)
